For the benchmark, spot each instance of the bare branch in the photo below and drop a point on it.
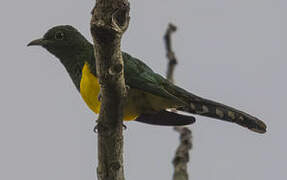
(110, 19)
(172, 61)
(182, 152)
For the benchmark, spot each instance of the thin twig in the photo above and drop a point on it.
(182, 152)
(110, 19)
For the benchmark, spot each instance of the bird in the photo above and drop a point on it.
(149, 97)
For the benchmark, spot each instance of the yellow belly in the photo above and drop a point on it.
(137, 101)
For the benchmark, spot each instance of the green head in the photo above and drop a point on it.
(65, 42)
(70, 47)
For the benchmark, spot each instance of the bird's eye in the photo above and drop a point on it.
(59, 35)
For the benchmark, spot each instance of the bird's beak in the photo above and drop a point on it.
(36, 42)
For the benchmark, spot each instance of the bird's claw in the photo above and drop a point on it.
(124, 126)
(96, 129)
(97, 126)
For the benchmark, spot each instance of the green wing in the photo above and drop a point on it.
(139, 76)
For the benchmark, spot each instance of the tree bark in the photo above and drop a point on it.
(110, 19)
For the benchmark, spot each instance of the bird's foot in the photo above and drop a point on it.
(98, 125)
(124, 126)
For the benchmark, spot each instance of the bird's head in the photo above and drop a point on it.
(65, 42)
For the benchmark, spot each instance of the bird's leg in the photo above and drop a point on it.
(98, 125)
(100, 97)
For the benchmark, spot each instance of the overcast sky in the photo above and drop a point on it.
(232, 51)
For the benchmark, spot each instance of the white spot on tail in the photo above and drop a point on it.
(231, 115)
(204, 110)
(192, 106)
(219, 113)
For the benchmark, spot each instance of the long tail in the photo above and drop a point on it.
(205, 107)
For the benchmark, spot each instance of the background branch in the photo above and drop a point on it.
(182, 152)
(172, 61)
(110, 19)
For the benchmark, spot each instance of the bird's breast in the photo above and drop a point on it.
(90, 89)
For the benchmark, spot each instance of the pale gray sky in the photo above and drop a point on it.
(233, 51)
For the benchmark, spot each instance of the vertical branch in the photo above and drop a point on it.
(110, 19)
(182, 152)
(172, 61)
